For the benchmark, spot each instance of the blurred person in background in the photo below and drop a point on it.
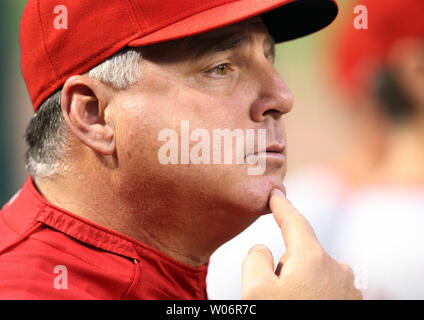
(379, 224)
(367, 204)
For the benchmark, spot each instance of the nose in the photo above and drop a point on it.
(274, 97)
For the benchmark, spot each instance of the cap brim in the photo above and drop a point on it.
(285, 19)
(299, 18)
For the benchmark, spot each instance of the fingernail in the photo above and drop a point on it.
(278, 192)
(256, 248)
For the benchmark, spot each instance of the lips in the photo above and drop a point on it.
(274, 148)
(273, 155)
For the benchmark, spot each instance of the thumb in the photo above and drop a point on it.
(257, 267)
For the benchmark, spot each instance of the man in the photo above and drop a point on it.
(101, 216)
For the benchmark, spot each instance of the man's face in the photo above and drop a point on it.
(223, 79)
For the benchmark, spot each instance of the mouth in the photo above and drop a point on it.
(273, 152)
(275, 148)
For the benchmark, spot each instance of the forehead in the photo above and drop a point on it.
(209, 42)
(252, 24)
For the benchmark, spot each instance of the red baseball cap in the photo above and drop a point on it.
(359, 54)
(98, 29)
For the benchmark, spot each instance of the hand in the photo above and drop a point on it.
(305, 271)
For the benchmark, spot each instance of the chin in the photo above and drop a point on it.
(252, 195)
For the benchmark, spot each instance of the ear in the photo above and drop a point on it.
(85, 104)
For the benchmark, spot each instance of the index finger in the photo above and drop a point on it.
(297, 232)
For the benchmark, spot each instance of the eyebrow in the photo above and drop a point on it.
(227, 42)
(224, 42)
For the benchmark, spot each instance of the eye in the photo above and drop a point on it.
(221, 70)
(270, 57)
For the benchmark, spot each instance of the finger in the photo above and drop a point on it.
(257, 266)
(296, 230)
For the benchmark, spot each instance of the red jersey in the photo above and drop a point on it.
(49, 253)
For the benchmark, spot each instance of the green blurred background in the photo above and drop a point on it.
(14, 101)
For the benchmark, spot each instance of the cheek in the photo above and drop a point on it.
(138, 149)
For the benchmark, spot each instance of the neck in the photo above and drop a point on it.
(168, 221)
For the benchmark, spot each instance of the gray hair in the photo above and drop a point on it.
(47, 133)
